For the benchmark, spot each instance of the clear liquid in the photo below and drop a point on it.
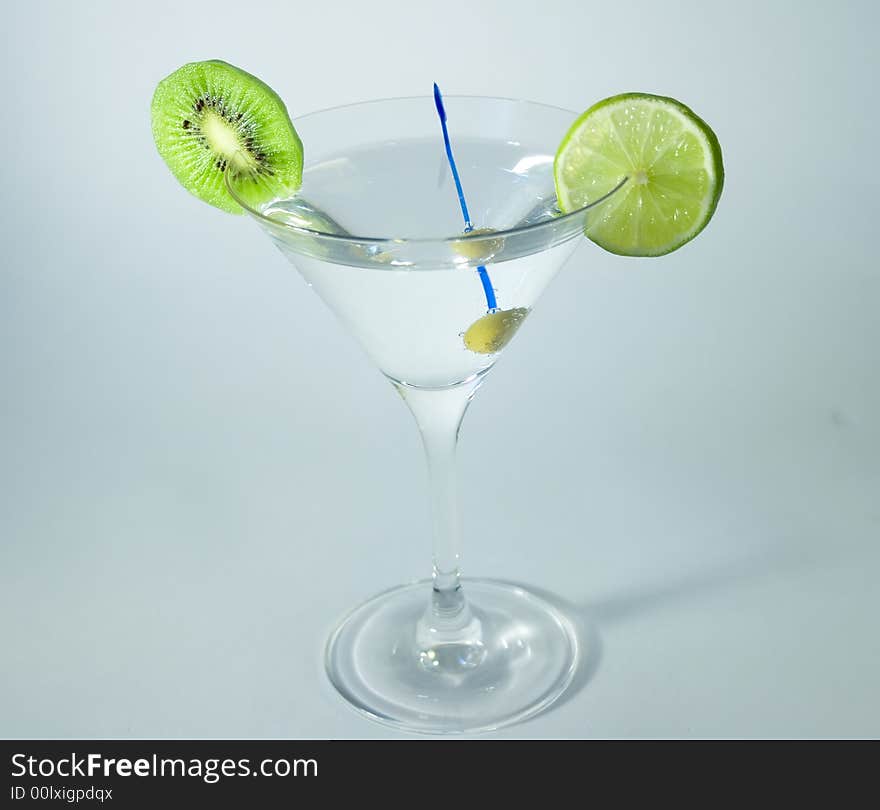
(413, 322)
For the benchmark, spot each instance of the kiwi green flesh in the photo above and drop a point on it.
(210, 118)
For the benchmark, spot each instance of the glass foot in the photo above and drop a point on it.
(510, 656)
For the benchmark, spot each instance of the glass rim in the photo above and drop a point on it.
(336, 238)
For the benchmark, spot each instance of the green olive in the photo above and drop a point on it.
(493, 331)
(478, 250)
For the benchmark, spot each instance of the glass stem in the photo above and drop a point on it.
(438, 413)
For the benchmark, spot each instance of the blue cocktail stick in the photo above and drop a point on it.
(488, 289)
(441, 111)
(468, 226)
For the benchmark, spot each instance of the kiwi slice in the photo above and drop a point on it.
(210, 118)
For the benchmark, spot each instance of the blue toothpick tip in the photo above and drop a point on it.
(438, 100)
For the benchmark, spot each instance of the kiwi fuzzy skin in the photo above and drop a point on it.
(268, 161)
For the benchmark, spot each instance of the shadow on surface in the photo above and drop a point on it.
(591, 616)
(647, 597)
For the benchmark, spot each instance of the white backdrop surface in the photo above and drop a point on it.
(200, 472)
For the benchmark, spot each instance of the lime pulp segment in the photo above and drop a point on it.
(671, 158)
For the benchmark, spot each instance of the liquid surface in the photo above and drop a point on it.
(413, 322)
(404, 189)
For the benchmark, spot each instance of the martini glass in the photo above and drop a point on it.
(376, 231)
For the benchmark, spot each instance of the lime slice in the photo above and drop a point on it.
(671, 158)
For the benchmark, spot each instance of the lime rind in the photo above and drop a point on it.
(673, 163)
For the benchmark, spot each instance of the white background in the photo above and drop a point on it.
(200, 472)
